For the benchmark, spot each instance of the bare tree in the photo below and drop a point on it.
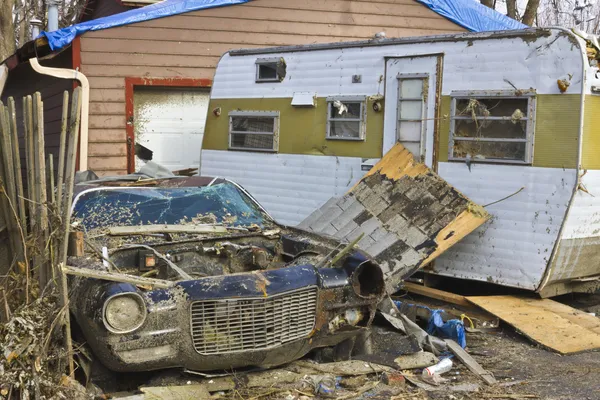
(512, 9)
(580, 14)
(7, 33)
(15, 16)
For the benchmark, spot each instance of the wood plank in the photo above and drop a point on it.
(242, 24)
(104, 95)
(544, 322)
(149, 229)
(97, 164)
(437, 294)
(107, 108)
(113, 149)
(106, 135)
(108, 82)
(118, 95)
(115, 277)
(357, 7)
(470, 362)
(107, 121)
(411, 16)
(162, 47)
(151, 60)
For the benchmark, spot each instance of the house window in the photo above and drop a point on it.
(270, 69)
(412, 112)
(494, 128)
(253, 130)
(346, 118)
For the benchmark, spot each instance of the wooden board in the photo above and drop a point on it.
(437, 294)
(553, 325)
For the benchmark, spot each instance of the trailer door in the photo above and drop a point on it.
(412, 95)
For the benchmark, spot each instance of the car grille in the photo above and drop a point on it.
(236, 325)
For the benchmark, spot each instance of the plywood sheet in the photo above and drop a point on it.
(556, 326)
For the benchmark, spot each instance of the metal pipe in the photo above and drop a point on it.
(63, 73)
(36, 26)
(52, 11)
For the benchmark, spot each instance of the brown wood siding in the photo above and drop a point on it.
(23, 80)
(190, 45)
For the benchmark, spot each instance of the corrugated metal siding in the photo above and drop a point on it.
(484, 64)
(189, 46)
(289, 186)
(514, 247)
(578, 254)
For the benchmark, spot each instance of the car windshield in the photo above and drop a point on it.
(223, 203)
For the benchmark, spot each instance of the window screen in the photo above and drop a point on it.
(253, 132)
(492, 129)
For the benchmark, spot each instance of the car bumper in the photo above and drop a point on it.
(259, 319)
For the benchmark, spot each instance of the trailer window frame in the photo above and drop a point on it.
(254, 114)
(362, 119)
(528, 118)
(277, 64)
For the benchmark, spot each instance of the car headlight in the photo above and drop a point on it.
(124, 312)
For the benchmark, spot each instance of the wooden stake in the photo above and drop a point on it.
(62, 150)
(71, 161)
(7, 183)
(29, 153)
(50, 179)
(17, 164)
(40, 187)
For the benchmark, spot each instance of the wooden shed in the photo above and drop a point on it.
(150, 80)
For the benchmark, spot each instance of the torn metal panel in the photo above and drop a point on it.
(406, 213)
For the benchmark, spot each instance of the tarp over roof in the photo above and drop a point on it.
(473, 15)
(469, 14)
(63, 37)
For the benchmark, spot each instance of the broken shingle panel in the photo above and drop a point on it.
(346, 229)
(351, 212)
(382, 244)
(366, 227)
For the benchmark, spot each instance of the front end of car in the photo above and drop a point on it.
(255, 319)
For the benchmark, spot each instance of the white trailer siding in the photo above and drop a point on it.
(515, 247)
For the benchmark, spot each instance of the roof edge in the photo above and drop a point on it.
(525, 33)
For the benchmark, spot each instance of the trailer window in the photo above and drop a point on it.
(270, 69)
(253, 130)
(346, 118)
(492, 129)
(412, 112)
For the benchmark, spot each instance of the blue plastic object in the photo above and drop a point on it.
(63, 37)
(473, 15)
(452, 329)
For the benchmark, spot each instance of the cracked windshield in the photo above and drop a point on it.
(222, 204)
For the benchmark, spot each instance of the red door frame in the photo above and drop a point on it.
(130, 84)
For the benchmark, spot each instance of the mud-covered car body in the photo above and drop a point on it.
(252, 293)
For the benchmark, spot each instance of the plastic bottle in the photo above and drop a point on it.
(326, 385)
(443, 366)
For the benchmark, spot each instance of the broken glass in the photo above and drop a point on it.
(111, 207)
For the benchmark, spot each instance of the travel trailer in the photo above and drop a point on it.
(508, 118)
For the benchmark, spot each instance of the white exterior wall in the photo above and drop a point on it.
(514, 248)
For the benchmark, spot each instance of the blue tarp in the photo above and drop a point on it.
(63, 37)
(473, 15)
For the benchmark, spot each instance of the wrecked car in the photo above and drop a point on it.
(229, 287)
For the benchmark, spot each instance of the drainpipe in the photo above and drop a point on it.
(36, 26)
(52, 10)
(63, 73)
